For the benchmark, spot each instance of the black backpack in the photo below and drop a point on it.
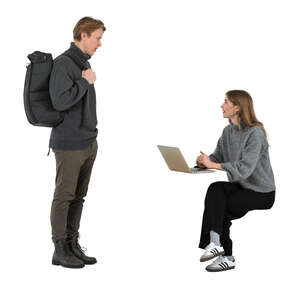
(37, 102)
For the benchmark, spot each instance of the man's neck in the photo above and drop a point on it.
(79, 45)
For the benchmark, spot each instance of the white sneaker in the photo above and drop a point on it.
(212, 251)
(221, 264)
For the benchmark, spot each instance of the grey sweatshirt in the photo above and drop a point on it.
(244, 155)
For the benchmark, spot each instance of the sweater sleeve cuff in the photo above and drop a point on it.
(213, 159)
(83, 82)
(225, 166)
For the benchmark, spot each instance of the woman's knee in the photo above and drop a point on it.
(215, 186)
(213, 190)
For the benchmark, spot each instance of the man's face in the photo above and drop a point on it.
(91, 44)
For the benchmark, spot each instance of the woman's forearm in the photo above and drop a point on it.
(216, 166)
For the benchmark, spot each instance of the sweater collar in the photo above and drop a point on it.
(242, 123)
(83, 56)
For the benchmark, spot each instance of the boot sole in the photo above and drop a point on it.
(90, 263)
(55, 262)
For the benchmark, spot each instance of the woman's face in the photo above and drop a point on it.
(229, 110)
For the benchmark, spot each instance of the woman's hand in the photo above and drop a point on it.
(205, 161)
(198, 162)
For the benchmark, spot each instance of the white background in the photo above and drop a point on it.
(162, 73)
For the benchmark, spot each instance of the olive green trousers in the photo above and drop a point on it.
(73, 172)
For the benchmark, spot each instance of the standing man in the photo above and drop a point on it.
(74, 140)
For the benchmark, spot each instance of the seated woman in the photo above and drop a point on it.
(242, 151)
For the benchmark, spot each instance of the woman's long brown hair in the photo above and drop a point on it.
(246, 113)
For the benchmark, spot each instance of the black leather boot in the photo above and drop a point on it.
(64, 256)
(78, 252)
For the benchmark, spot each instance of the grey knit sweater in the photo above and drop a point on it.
(244, 155)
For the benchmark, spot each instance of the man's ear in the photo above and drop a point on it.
(83, 35)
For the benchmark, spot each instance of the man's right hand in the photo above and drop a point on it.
(89, 75)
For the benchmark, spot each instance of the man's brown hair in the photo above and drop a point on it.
(88, 25)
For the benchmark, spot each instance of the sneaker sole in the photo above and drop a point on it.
(211, 257)
(219, 270)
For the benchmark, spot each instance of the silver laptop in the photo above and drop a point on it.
(175, 160)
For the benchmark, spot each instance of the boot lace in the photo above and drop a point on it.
(83, 249)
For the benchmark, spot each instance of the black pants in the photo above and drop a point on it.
(73, 172)
(224, 202)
